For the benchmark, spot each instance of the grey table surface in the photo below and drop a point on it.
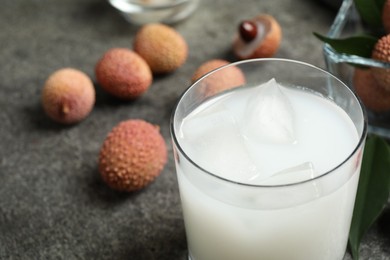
(53, 204)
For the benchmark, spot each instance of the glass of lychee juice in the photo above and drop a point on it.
(268, 163)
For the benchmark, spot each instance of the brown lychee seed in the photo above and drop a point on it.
(381, 52)
(68, 96)
(386, 16)
(372, 95)
(123, 73)
(133, 154)
(248, 30)
(220, 80)
(259, 37)
(162, 47)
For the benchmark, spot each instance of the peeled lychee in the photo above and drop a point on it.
(259, 37)
(386, 16)
(132, 155)
(123, 73)
(221, 80)
(162, 47)
(381, 52)
(372, 95)
(68, 96)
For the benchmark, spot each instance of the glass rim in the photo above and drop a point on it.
(176, 142)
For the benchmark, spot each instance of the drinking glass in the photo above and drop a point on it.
(304, 220)
(348, 23)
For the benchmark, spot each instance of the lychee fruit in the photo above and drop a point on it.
(68, 96)
(220, 80)
(123, 73)
(259, 37)
(133, 154)
(386, 16)
(372, 95)
(381, 52)
(162, 47)
(207, 67)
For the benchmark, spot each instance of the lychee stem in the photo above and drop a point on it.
(248, 31)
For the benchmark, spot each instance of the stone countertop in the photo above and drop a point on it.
(53, 204)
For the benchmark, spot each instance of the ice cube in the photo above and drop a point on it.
(298, 173)
(226, 156)
(208, 122)
(269, 116)
(213, 141)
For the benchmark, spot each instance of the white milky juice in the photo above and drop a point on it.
(253, 191)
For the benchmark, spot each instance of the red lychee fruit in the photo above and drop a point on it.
(220, 80)
(133, 154)
(373, 96)
(259, 37)
(68, 96)
(123, 73)
(381, 52)
(162, 47)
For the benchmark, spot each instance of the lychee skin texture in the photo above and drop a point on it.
(132, 155)
(381, 52)
(207, 67)
(386, 16)
(68, 96)
(264, 47)
(162, 47)
(372, 95)
(123, 73)
(220, 80)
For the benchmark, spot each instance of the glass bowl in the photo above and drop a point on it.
(150, 11)
(348, 23)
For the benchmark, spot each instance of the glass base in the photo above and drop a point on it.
(141, 14)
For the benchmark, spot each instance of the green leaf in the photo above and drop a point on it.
(370, 11)
(357, 45)
(373, 190)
